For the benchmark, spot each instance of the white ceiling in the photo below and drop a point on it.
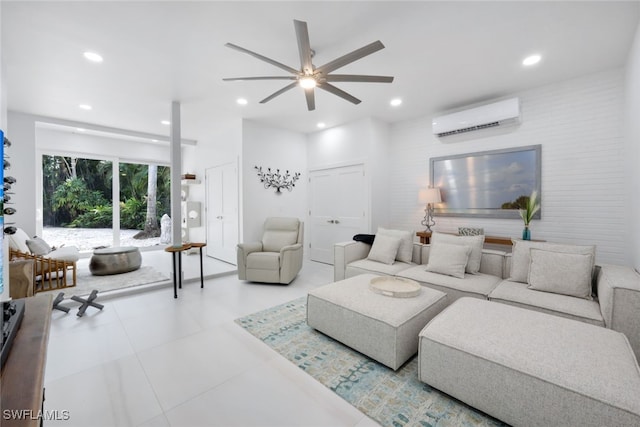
(442, 54)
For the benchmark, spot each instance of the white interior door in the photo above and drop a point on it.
(222, 212)
(338, 209)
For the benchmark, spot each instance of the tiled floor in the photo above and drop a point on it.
(150, 360)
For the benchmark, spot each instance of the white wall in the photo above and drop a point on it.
(364, 141)
(579, 124)
(222, 144)
(632, 149)
(93, 146)
(276, 149)
(22, 132)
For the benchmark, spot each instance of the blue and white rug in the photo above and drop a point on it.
(392, 398)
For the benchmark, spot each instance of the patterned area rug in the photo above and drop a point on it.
(86, 282)
(391, 398)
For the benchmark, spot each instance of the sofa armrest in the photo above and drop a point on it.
(619, 297)
(345, 253)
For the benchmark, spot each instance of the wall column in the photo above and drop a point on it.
(176, 172)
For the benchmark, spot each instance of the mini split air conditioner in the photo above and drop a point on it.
(486, 116)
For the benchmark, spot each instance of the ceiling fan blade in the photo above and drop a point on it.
(351, 57)
(263, 58)
(339, 92)
(280, 92)
(230, 79)
(311, 99)
(304, 46)
(358, 78)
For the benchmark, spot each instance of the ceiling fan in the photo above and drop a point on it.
(308, 76)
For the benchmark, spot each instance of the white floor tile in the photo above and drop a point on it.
(77, 350)
(116, 393)
(263, 396)
(185, 368)
(149, 360)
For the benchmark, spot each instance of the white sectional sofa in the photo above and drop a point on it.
(615, 304)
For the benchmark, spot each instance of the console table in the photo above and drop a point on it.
(425, 237)
(23, 373)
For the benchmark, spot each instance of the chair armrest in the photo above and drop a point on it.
(345, 253)
(243, 250)
(247, 248)
(619, 297)
(290, 262)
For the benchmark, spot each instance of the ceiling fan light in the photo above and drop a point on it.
(307, 82)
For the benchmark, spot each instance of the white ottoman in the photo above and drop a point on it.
(531, 369)
(381, 327)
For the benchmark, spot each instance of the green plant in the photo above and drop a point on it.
(532, 206)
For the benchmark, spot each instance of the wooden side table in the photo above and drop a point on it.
(176, 251)
(425, 237)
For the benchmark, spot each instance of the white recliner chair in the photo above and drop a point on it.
(278, 257)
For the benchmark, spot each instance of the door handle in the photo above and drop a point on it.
(330, 221)
(336, 221)
(218, 217)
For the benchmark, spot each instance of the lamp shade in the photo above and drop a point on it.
(429, 195)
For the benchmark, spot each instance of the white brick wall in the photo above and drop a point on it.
(580, 126)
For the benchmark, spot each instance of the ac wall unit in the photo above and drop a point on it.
(486, 116)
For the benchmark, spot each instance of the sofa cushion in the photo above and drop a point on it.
(561, 273)
(520, 258)
(384, 249)
(475, 242)
(38, 246)
(65, 253)
(478, 285)
(405, 250)
(519, 295)
(364, 266)
(447, 259)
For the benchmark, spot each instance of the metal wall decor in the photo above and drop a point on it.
(276, 179)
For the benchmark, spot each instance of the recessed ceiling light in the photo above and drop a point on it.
(154, 140)
(85, 107)
(165, 122)
(81, 130)
(321, 125)
(531, 60)
(395, 102)
(93, 57)
(242, 101)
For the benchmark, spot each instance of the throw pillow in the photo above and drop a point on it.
(561, 273)
(520, 259)
(37, 246)
(474, 242)
(384, 249)
(405, 251)
(445, 258)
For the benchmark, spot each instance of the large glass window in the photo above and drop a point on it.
(78, 203)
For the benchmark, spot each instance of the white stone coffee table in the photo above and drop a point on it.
(382, 327)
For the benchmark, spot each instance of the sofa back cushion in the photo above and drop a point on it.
(521, 259)
(384, 249)
(405, 250)
(561, 273)
(474, 242)
(448, 259)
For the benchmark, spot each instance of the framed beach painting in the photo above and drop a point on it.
(490, 184)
